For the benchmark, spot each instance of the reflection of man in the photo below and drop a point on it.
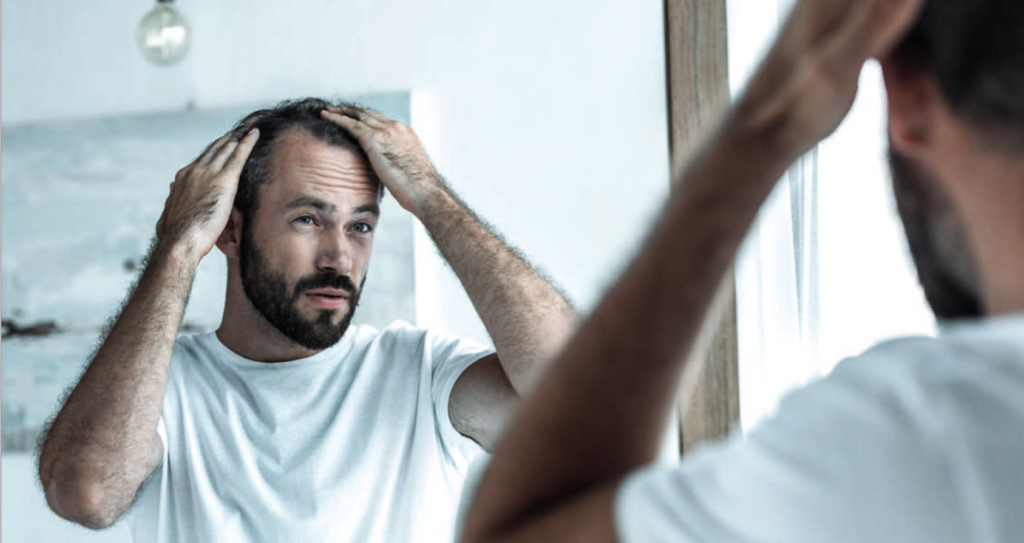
(287, 424)
(917, 440)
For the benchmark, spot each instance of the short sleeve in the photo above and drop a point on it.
(843, 460)
(450, 356)
(161, 430)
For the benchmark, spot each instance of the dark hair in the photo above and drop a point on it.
(302, 114)
(975, 51)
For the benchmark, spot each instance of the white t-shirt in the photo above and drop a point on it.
(917, 440)
(351, 444)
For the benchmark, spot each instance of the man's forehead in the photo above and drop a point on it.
(330, 207)
(302, 164)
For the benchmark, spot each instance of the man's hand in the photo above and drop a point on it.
(807, 83)
(202, 195)
(395, 153)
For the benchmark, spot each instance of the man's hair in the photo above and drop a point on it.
(975, 51)
(301, 114)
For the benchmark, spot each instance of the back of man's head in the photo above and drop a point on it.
(302, 114)
(975, 51)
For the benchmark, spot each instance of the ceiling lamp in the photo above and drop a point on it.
(163, 35)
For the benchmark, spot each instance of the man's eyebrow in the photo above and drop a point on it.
(372, 209)
(311, 201)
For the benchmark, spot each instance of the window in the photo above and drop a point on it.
(825, 272)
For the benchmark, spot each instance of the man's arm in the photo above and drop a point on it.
(103, 444)
(526, 316)
(598, 413)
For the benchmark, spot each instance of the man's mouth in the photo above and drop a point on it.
(328, 298)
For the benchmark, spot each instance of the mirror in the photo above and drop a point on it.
(551, 127)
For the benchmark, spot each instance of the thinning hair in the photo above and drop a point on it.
(300, 114)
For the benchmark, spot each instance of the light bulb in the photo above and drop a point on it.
(163, 34)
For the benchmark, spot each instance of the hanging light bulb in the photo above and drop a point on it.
(163, 34)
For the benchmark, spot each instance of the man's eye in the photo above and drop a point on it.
(305, 220)
(361, 228)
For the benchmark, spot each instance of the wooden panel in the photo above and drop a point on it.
(698, 91)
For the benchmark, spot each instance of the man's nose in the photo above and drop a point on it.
(335, 255)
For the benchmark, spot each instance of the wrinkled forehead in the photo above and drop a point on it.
(300, 164)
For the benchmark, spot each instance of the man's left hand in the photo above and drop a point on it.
(395, 153)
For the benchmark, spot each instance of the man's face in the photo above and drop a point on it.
(305, 251)
(945, 266)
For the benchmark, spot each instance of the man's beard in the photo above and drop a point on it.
(944, 264)
(269, 293)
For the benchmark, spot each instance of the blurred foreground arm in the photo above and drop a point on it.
(599, 412)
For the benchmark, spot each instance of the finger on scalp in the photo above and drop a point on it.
(894, 19)
(347, 111)
(375, 119)
(874, 29)
(225, 152)
(213, 149)
(344, 119)
(241, 152)
(362, 114)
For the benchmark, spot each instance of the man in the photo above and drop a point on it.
(917, 440)
(287, 424)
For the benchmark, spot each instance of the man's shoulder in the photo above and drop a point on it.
(401, 331)
(192, 344)
(396, 338)
(429, 343)
(398, 331)
(964, 352)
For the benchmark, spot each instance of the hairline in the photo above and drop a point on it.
(270, 161)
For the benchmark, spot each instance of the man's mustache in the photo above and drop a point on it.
(332, 281)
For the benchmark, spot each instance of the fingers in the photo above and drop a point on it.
(217, 162)
(212, 150)
(359, 129)
(364, 115)
(871, 30)
(891, 21)
(237, 158)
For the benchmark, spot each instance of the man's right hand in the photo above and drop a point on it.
(808, 82)
(203, 194)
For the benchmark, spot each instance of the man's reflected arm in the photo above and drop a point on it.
(103, 443)
(526, 316)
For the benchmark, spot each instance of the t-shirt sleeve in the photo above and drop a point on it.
(450, 356)
(842, 460)
(161, 430)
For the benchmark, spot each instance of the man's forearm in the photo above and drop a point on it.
(526, 316)
(104, 442)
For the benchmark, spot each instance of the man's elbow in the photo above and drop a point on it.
(79, 500)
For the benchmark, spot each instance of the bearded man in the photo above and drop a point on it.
(288, 423)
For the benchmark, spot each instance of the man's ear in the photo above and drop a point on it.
(230, 239)
(913, 100)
